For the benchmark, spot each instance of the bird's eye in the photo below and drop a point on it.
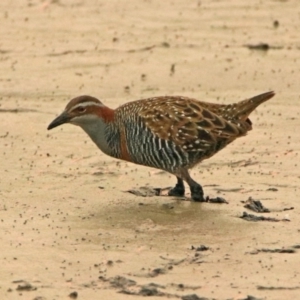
(81, 109)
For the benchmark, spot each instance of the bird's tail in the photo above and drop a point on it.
(244, 108)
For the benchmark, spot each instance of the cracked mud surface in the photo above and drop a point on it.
(69, 227)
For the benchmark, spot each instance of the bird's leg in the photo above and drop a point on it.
(196, 188)
(178, 190)
(196, 191)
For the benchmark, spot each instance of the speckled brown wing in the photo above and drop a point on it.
(239, 111)
(188, 124)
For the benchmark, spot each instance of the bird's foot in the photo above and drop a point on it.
(177, 191)
(197, 193)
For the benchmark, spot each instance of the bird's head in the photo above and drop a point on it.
(82, 111)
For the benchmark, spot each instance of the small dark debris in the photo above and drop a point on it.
(166, 268)
(272, 288)
(4, 135)
(100, 173)
(172, 70)
(110, 263)
(67, 52)
(216, 200)
(152, 284)
(260, 46)
(249, 297)
(39, 298)
(126, 292)
(173, 262)
(196, 259)
(103, 278)
(145, 192)
(276, 24)
(73, 295)
(266, 250)
(272, 189)
(17, 110)
(283, 250)
(141, 49)
(157, 271)
(121, 282)
(200, 248)
(25, 286)
(193, 297)
(130, 287)
(253, 218)
(165, 44)
(148, 291)
(296, 246)
(256, 205)
(288, 208)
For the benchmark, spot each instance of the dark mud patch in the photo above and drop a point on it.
(193, 297)
(200, 248)
(277, 288)
(254, 218)
(262, 47)
(17, 110)
(145, 191)
(128, 286)
(257, 206)
(249, 297)
(73, 295)
(276, 250)
(163, 269)
(219, 200)
(24, 286)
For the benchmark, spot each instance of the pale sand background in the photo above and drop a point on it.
(59, 230)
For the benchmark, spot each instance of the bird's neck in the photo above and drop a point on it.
(105, 113)
(97, 131)
(104, 132)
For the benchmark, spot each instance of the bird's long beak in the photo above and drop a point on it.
(61, 119)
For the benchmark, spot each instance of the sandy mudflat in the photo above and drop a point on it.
(67, 223)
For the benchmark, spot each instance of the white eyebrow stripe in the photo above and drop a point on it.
(85, 104)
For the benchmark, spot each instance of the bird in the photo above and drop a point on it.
(170, 133)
